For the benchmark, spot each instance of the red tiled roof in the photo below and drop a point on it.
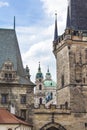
(7, 118)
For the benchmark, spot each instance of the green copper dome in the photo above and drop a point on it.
(39, 74)
(49, 83)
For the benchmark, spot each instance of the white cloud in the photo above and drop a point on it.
(36, 42)
(39, 52)
(50, 6)
(2, 4)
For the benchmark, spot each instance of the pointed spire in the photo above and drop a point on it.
(68, 18)
(14, 22)
(39, 74)
(39, 68)
(48, 74)
(55, 31)
(48, 70)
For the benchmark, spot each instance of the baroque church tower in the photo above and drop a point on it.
(45, 90)
(39, 89)
(70, 50)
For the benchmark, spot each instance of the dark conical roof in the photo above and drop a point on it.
(77, 14)
(9, 49)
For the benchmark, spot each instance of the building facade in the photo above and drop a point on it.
(16, 88)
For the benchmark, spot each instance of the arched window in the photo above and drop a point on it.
(40, 87)
(10, 129)
(51, 95)
(40, 100)
(66, 105)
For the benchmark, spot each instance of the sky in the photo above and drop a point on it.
(35, 30)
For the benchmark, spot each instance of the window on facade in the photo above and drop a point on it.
(86, 54)
(39, 80)
(40, 87)
(62, 80)
(23, 99)
(8, 76)
(83, 80)
(23, 113)
(85, 124)
(66, 105)
(9, 129)
(40, 100)
(4, 98)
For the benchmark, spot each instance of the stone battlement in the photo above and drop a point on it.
(80, 36)
(52, 109)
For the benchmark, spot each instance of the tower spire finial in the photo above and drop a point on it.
(68, 18)
(14, 22)
(48, 69)
(55, 31)
(39, 69)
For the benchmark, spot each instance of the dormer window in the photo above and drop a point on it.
(8, 76)
(8, 67)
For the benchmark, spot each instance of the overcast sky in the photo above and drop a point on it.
(35, 30)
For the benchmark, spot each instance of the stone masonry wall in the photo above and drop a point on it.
(63, 67)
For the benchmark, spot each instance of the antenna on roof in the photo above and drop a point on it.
(14, 22)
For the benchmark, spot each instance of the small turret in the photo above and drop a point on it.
(27, 72)
(14, 22)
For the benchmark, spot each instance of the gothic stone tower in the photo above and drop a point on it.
(70, 50)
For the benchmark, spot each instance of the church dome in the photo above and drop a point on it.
(49, 83)
(39, 74)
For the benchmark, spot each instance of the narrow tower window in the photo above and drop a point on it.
(83, 80)
(86, 54)
(40, 87)
(62, 80)
(40, 100)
